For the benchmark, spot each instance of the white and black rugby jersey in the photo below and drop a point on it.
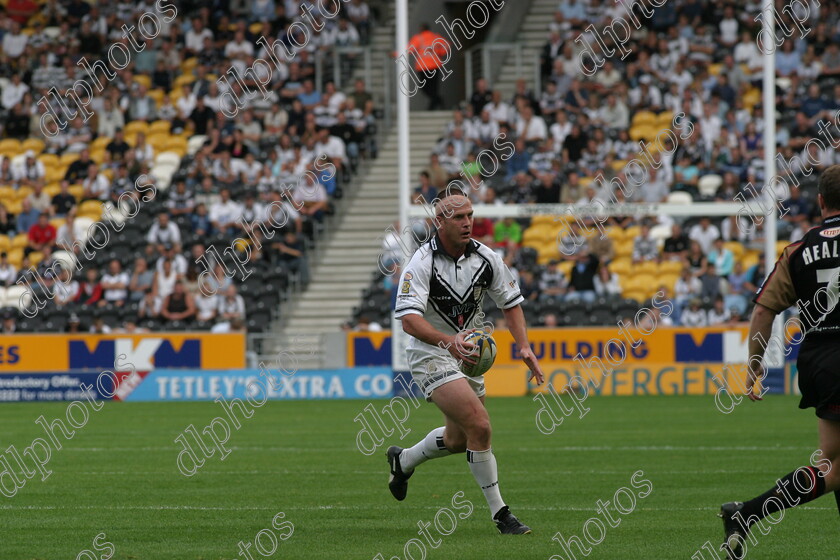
(449, 293)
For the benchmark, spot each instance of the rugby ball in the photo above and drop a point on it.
(485, 354)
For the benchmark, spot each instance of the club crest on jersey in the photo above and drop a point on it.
(478, 292)
(406, 287)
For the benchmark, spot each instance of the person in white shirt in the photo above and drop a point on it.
(704, 233)
(231, 305)
(499, 110)
(8, 273)
(29, 171)
(115, 284)
(96, 185)
(14, 41)
(178, 261)
(239, 51)
(694, 316)
(13, 93)
(718, 315)
(162, 232)
(207, 306)
(530, 127)
(225, 213)
(310, 197)
(194, 38)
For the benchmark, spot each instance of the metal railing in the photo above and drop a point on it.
(340, 63)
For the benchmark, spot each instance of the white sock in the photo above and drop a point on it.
(430, 447)
(483, 467)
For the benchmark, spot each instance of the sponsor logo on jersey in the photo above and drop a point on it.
(831, 232)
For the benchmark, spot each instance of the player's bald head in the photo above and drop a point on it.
(450, 203)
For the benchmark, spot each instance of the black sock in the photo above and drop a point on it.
(796, 488)
(837, 498)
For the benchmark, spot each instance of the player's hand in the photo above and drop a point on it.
(752, 378)
(463, 349)
(533, 365)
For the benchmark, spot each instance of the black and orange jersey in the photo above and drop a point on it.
(807, 275)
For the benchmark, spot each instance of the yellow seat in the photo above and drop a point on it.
(14, 207)
(548, 252)
(16, 256)
(176, 144)
(8, 193)
(134, 127)
(621, 266)
(646, 267)
(537, 234)
(714, 69)
(158, 140)
(780, 246)
(752, 97)
(90, 207)
(5, 243)
(618, 164)
(57, 222)
(615, 233)
(670, 267)
(736, 248)
(632, 232)
(157, 95)
(67, 159)
(53, 174)
(77, 191)
(10, 145)
(34, 144)
(143, 80)
(23, 192)
(20, 241)
(98, 156)
(49, 160)
(255, 28)
(187, 65)
(99, 144)
(623, 248)
(182, 80)
(160, 126)
(644, 118)
(35, 257)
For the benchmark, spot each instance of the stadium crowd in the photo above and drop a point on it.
(575, 136)
(282, 159)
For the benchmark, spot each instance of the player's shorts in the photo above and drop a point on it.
(818, 365)
(434, 372)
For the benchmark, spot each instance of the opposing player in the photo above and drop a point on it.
(806, 274)
(440, 296)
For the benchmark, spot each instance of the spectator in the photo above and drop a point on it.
(149, 307)
(39, 200)
(207, 306)
(90, 290)
(231, 305)
(30, 171)
(200, 221)
(606, 282)
(718, 314)
(582, 278)
(96, 185)
(507, 233)
(7, 224)
(645, 248)
(694, 316)
(178, 305)
(74, 325)
(225, 213)
(676, 246)
(291, 255)
(8, 272)
(27, 218)
(704, 233)
(142, 280)
(310, 198)
(721, 258)
(115, 285)
(41, 235)
(163, 232)
(552, 284)
(63, 202)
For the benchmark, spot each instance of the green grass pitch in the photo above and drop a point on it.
(118, 476)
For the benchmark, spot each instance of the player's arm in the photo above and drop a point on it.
(421, 329)
(761, 326)
(774, 296)
(516, 324)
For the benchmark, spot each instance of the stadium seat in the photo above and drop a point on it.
(708, 184)
(621, 266)
(132, 128)
(68, 158)
(34, 144)
(13, 295)
(77, 191)
(680, 197)
(670, 267)
(20, 241)
(49, 160)
(157, 95)
(160, 127)
(646, 267)
(197, 141)
(644, 118)
(168, 158)
(143, 80)
(10, 145)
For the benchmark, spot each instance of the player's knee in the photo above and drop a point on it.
(480, 430)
